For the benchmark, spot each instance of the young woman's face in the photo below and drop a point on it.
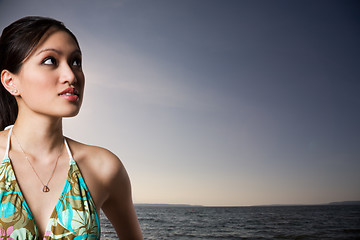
(51, 81)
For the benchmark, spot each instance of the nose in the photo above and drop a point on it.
(67, 74)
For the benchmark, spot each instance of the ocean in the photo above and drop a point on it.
(268, 222)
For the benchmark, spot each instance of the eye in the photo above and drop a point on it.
(76, 62)
(49, 61)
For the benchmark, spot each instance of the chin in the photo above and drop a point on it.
(71, 114)
(68, 112)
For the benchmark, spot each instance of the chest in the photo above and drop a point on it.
(31, 184)
(32, 213)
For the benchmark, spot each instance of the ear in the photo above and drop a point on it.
(8, 81)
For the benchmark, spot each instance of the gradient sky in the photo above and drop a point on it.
(219, 102)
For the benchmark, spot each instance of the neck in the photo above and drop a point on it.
(39, 135)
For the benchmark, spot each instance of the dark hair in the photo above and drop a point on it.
(17, 42)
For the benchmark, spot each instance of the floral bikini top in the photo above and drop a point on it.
(74, 216)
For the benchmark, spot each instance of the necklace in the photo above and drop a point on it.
(45, 188)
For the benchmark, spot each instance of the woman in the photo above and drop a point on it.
(42, 82)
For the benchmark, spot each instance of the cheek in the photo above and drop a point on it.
(37, 86)
(80, 77)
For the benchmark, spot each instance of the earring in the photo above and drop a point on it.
(15, 91)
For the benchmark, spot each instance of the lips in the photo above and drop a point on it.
(70, 94)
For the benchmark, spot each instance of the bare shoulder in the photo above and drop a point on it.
(110, 187)
(100, 162)
(3, 135)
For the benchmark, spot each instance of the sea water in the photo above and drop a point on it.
(268, 222)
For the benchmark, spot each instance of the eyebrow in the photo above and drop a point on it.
(57, 51)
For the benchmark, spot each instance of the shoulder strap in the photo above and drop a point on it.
(6, 156)
(71, 161)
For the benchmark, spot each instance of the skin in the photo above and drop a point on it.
(51, 68)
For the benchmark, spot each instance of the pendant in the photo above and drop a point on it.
(46, 189)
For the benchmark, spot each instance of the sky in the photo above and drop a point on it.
(219, 103)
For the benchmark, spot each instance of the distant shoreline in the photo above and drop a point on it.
(165, 205)
(343, 203)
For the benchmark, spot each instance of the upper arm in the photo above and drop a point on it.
(118, 207)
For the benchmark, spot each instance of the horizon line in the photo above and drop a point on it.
(352, 202)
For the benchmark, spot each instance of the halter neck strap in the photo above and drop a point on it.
(68, 151)
(6, 156)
